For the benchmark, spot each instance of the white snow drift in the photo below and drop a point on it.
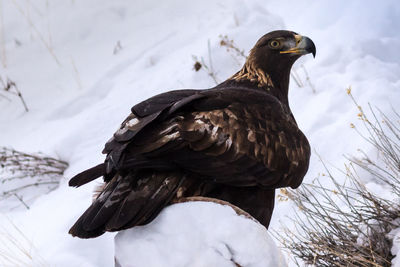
(198, 234)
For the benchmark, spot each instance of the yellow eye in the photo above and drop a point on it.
(274, 44)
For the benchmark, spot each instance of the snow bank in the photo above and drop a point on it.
(198, 234)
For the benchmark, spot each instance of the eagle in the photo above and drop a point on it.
(236, 142)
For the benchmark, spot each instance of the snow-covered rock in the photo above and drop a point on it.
(198, 234)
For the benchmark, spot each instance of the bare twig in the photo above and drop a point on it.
(2, 38)
(77, 76)
(239, 55)
(296, 78)
(308, 79)
(230, 45)
(200, 64)
(13, 191)
(212, 73)
(12, 88)
(22, 201)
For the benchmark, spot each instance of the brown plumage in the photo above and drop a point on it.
(236, 142)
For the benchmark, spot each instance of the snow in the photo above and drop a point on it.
(198, 234)
(81, 65)
(395, 236)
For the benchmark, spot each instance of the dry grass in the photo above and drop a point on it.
(46, 43)
(2, 38)
(209, 68)
(20, 171)
(11, 88)
(346, 224)
(16, 249)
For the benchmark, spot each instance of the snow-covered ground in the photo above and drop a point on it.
(81, 65)
(200, 234)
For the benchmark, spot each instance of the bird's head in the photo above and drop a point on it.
(272, 57)
(282, 45)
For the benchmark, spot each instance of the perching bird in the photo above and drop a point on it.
(235, 142)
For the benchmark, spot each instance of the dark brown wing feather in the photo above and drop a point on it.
(87, 176)
(129, 200)
(161, 102)
(241, 145)
(235, 144)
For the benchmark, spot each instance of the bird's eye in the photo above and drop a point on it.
(274, 44)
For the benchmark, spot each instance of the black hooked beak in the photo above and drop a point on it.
(304, 45)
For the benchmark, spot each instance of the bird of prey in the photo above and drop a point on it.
(236, 142)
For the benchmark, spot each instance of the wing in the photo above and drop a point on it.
(235, 136)
(238, 137)
(142, 114)
(150, 111)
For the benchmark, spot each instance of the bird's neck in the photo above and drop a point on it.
(275, 82)
(281, 78)
(252, 73)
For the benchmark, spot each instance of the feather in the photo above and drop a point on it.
(87, 176)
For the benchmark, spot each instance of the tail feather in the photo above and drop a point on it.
(161, 193)
(105, 205)
(88, 175)
(126, 201)
(81, 227)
